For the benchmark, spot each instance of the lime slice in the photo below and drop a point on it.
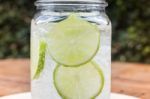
(38, 66)
(83, 82)
(74, 41)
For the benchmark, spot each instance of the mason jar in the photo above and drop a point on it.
(70, 50)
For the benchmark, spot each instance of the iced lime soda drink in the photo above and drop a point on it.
(70, 59)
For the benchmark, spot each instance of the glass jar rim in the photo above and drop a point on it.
(102, 3)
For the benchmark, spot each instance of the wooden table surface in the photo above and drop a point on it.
(127, 78)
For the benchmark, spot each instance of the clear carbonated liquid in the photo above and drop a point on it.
(43, 87)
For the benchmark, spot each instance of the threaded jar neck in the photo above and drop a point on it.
(69, 6)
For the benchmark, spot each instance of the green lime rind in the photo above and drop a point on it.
(73, 41)
(102, 79)
(84, 82)
(41, 60)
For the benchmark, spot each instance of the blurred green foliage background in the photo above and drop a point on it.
(130, 19)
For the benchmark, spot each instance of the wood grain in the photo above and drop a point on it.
(127, 78)
(14, 76)
(131, 79)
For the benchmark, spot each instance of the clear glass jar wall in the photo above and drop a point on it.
(70, 50)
